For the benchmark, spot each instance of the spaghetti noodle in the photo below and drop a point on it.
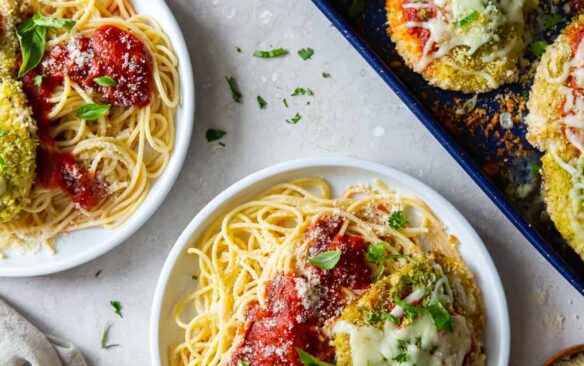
(119, 153)
(243, 251)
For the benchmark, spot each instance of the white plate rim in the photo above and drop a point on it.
(231, 192)
(156, 197)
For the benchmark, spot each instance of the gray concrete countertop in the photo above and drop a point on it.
(353, 113)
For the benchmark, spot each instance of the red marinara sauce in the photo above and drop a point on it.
(299, 305)
(418, 15)
(109, 51)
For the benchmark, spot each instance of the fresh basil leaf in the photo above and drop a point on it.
(271, 53)
(105, 81)
(33, 42)
(91, 112)
(235, 93)
(104, 337)
(309, 360)
(326, 260)
(397, 220)
(117, 307)
(440, 316)
(375, 252)
(49, 22)
(306, 53)
(214, 134)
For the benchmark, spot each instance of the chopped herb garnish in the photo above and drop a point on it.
(387, 316)
(326, 75)
(402, 345)
(402, 357)
(195, 277)
(234, 89)
(2, 132)
(309, 360)
(104, 337)
(214, 134)
(375, 252)
(373, 318)
(538, 47)
(525, 94)
(306, 53)
(117, 307)
(105, 81)
(423, 14)
(242, 363)
(221, 144)
(294, 120)
(98, 273)
(285, 102)
(327, 260)
(469, 18)
(534, 169)
(38, 80)
(410, 310)
(440, 316)
(2, 165)
(397, 220)
(302, 91)
(356, 7)
(271, 53)
(552, 20)
(91, 112)
(261, 102)
(238, 49)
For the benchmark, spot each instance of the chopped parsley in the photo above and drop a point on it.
(469, 18)
(402, 344)
(214, 134)
(302, 91)
(387, 316)
(373, 318)
(534, 170)
(235, 93)
(538, 47)
(327, 260)
(552, 20)
(261, 102)
(104, 337)
(195, 277)
(525, 94)
(375, 252)
(238, 49)
(397, 220)
(285, 102)
(440, 316)
(117, 307)
(277, 52)
(294, 120)
(105, 81)
(402, 357)
(242, 363)
(411, 311)
(306, 53)
(309, 360)
(38, 80)
(326, 75)
(2, 165)
(2, 132)
(98, 273)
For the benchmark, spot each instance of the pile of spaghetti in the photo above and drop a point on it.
(104, 97)
(275, 273)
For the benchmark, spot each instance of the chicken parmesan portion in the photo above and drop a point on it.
(422, 314)
(556, 126)
(472, 46)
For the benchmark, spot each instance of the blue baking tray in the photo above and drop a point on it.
(497, 158)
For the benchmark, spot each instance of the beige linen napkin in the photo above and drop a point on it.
(22, 344)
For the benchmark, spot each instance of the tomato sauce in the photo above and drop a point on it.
(419, 15)
(109, 51)
(299, 305)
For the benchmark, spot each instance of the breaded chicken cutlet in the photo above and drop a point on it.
(18, 142)
(556, 127)
(472, 46)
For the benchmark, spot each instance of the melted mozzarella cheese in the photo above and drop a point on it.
(423, 343)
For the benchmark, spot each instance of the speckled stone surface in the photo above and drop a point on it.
(352, 113)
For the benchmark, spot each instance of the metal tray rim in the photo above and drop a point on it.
(440, 134)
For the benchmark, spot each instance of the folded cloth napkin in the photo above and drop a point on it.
(21, 344)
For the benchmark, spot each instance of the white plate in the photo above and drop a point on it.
(175, 280)
(82, 246)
